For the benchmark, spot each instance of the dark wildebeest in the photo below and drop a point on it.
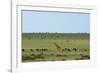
(41, 49)
(67, 49)
(75, 49)
(31, 49)
(23, 49)
(37, 49)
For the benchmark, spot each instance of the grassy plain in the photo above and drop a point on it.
(41, 46)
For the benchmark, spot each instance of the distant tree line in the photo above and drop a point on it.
(56, 35)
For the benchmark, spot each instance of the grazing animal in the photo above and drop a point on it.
(23, 49)
(67, 49)
(75, 49)
(37, 49)
(58, 47)
(45, 49)
(41, 49)
(31, 49)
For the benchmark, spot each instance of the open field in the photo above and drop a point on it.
(55, 46)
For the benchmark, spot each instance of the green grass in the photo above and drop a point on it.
(36, 41)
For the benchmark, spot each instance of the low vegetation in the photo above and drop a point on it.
(55, 46)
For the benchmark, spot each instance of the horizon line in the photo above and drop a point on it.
(55, 32)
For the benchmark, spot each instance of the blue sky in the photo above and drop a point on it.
(40, 21)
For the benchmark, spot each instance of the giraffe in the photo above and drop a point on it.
(58, 47)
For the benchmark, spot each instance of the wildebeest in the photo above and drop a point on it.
(41, 49)
(75, 49)
(23, 49)
(66, 49)
(45, 49)
(31, 49)
(37, 49)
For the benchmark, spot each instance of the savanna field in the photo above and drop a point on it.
(38, 47)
